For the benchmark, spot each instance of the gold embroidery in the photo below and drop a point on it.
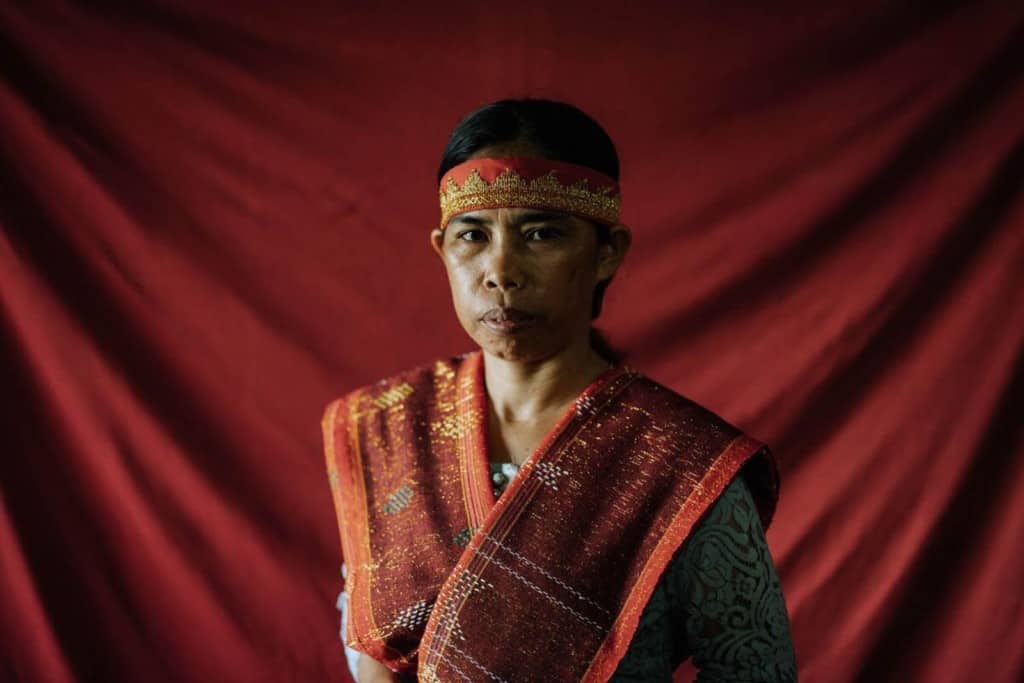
(443, 371)
(393, 396)
(454, 426)
(543, 192)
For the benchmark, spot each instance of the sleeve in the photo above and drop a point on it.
(647, 658)
(726, 606)
(351, 656)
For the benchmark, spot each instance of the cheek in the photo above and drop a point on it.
(576, 275)
(460, 279)
(461, 282)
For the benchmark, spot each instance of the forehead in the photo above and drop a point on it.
(514, 216)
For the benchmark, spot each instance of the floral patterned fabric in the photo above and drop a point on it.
(719, 601)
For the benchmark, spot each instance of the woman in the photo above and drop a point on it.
(537, 510)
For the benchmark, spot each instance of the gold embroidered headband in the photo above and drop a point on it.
(527, 182)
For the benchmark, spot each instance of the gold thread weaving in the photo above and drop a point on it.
(543, 192)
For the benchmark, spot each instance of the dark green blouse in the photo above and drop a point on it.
(719, 601)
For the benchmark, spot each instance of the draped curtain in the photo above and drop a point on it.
(215, 217)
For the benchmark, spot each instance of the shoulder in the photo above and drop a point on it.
(736, 506)
(701, 432)
(410, 385)
(665, 403)
(734, 509)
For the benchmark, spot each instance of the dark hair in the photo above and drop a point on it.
(555, 130)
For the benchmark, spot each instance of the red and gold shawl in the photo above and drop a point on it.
(548, 581)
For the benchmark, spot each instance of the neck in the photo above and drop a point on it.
(521, 391)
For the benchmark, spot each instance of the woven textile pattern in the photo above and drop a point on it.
(574, 547)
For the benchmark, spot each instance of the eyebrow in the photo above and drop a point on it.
(528, 217)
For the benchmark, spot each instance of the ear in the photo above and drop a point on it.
(611, 254)
(437, 241)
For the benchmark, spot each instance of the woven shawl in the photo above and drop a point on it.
(548, 581)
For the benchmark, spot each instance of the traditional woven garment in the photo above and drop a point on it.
(442, 578)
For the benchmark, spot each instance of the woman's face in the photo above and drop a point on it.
(523, 280)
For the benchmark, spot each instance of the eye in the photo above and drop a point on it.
(544, 233)
(471, 235)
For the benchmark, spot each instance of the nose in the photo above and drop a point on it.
(504, 270)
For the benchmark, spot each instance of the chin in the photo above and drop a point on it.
(515, 349)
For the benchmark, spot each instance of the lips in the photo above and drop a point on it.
(500, 315)
(507, 320)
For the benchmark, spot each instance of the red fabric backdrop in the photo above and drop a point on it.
(215, 219)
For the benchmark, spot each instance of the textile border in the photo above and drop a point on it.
(614, 647)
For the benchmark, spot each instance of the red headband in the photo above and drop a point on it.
(528, 182)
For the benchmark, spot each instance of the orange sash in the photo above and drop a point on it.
(548, 582)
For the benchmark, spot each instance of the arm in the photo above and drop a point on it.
(647, 658)
(728, 608)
